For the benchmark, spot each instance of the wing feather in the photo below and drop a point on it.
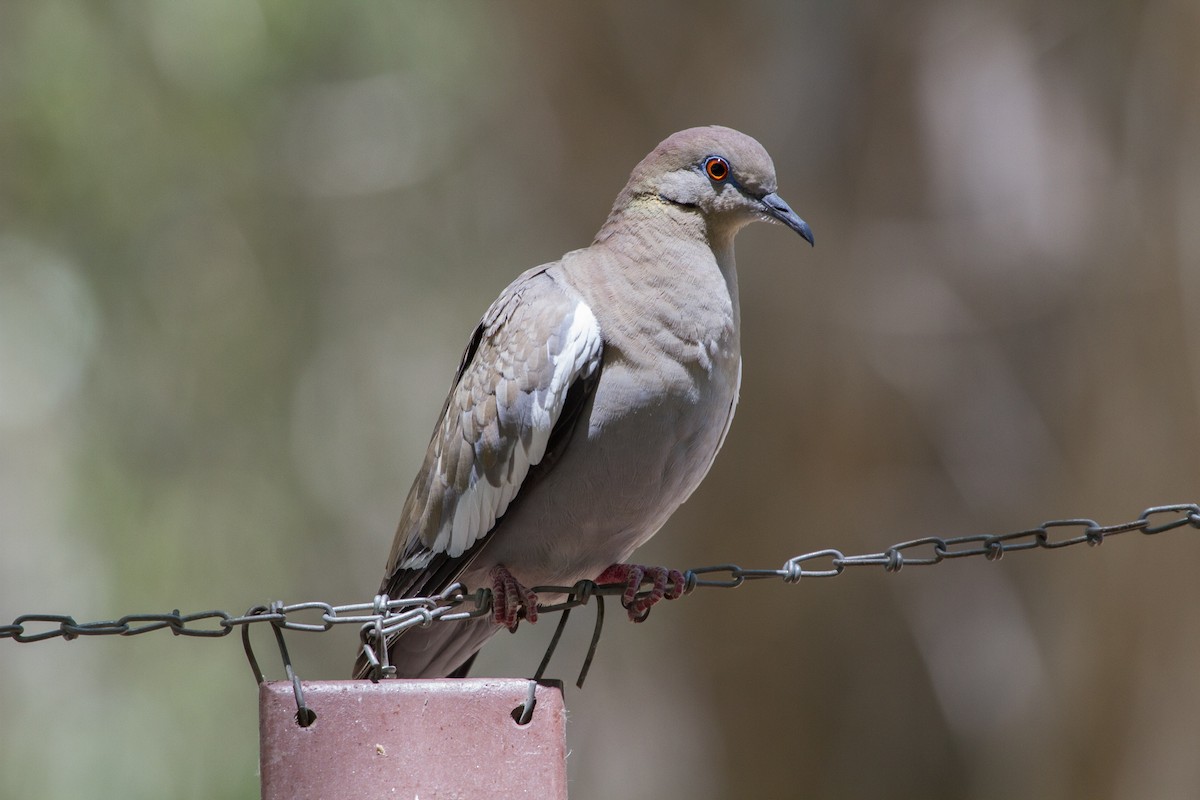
(532, 346)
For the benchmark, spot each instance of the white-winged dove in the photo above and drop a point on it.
(590, 402)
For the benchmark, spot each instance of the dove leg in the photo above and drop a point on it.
(510, 599)
(633, 576)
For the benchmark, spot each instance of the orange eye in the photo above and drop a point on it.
(716, 168)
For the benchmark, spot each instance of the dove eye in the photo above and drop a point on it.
(716, 168)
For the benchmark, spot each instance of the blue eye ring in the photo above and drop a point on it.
(717, 168)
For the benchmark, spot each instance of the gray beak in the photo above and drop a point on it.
(775, 207)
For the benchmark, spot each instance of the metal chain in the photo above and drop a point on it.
(384, 617)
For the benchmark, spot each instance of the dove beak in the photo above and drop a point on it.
(777, 208)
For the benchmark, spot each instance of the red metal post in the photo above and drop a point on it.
(413, 739)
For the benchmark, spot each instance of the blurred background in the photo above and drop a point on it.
(242, 245)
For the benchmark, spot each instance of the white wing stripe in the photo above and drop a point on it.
(481, 504)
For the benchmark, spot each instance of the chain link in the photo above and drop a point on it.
(384, 617)
(387, 616)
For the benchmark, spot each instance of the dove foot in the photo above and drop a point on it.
(633, 576)
(511, 600)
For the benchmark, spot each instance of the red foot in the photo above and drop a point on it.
(633, 576)
(510, 600)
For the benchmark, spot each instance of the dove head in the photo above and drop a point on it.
(726, 176)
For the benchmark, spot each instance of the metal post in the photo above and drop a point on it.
(413, 739)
